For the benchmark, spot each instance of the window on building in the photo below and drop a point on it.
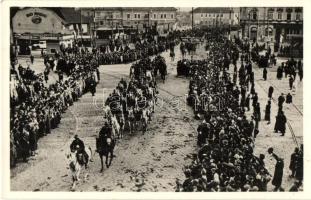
(270, 15)
(135, 15)
(161, 16)
(268, 32)
(154, 16)
(209, 15)
(297, 16)
(279, 16)
(201, 15)
(138, 16)
(221, 15)
(128, 16)
(289, 16)
(206, 15)
(164, 15)
(97, 14)
(101, 23)
(254, 15)
(172, 16)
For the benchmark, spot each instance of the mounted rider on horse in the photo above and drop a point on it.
(78, 146)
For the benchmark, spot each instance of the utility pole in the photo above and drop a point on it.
(192, 18)
(94, 28)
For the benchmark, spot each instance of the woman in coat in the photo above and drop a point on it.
(268, 112)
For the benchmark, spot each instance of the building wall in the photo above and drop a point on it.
(108, 18)
(38, 20)
(272, 24)
(217, 18)
(135, 17)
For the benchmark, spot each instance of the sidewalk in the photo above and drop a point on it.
(283, 146)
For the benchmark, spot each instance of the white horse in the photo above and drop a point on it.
(145, 118)
(107, 112)
(131, 119)
(115, 126)
(76, 162)
(121, 124)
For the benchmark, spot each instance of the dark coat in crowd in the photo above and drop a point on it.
(278, 173)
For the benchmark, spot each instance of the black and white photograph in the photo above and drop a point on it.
(156, 99)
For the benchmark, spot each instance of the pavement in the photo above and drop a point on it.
(150, 161)
(154, 159)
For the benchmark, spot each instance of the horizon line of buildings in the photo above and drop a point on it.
(271, 25)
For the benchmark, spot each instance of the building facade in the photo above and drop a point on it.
(53, 26)
(274, 26)
(216, 16)
(108, 20)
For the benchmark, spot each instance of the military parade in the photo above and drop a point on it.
(145, 100)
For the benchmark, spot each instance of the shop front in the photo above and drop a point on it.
(38, 29)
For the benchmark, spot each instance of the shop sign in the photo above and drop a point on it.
(36, 17)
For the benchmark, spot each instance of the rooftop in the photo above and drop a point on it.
(212, 10)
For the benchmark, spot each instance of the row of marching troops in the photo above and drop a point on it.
(36, 107)
(131, 104)
(64, 62)
(225, 160)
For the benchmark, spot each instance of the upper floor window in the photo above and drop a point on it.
(164, 15)
(221, 15)
(138, 16)
(161, 16)
(201, 15)
(298, 16)
(270, 15)
(128, 16)
(154, 16)
(289, 16)
(135, 15)
(172, 16)
(254, 15)
(279, 15)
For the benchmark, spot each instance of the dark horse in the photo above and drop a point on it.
(105, 146)
(161, 66)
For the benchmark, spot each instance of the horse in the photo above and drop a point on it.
(107, 111)
(121, 122)
(131, 119)
(105, 146)
(145, 116)
(76, 161)
(115, 126)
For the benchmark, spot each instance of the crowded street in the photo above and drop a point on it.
(195, 110)
(168, 145)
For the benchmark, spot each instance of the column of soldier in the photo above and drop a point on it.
(225, 160)
(36, 108)
(132, 103)
(142, 49)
